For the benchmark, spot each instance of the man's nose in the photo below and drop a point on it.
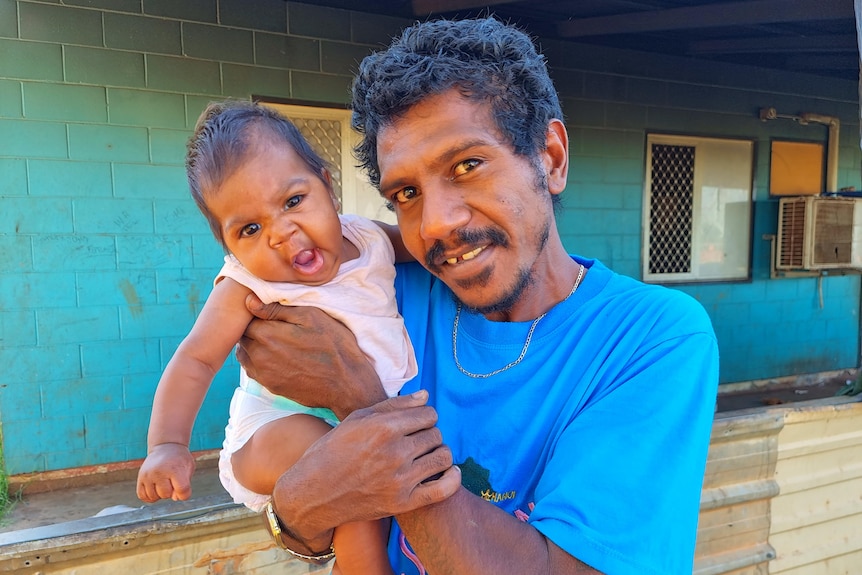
(444, 210)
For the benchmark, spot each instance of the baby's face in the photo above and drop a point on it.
(279, 218)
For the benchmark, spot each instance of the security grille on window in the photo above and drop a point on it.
(697, 209)
(672, 188)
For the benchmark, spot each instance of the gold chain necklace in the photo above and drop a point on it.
(526, 342)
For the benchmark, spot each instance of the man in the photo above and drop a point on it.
(575, 404)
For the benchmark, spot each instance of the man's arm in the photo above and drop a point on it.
(466, 534)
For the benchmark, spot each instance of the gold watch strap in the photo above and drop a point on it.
(276, 528)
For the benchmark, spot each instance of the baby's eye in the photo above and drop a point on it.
(462, 168)
(249, 230)
(293, 201)
(405, 195)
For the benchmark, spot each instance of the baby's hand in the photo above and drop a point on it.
(166, 473)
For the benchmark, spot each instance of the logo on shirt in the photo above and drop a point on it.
(477, 480)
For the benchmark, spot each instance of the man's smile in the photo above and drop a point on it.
(464, 257)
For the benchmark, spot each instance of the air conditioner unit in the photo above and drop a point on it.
(817, 233)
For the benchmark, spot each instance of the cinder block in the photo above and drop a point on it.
(172, 215)
(192, 10)
(157, 321)
(62, 178)
(62, 24)
(8, 19)
(75, 325)
(32, 139)
(146, 108)
(208, 253)
(183, 75)
(189, 286)
(113, 216)
(138, 391)
(17, 328)
(147, 181)
(79, 103)
(154, 252)
(321, 87)
(103, 67)
(375, 29)
(128, 288)
(341, 57)
(243, 81)
(13, 177)
(93, 395)
(113, 5)
(74, 252)
(269, 15)
(169, 147)
(119, 357)
(57, 433)
(142, 34)
(11, 101)
(36, 216)
(35, 365)
(279, 51)
(318, 21)
(31, 60)
(91, 142)
(218, 43)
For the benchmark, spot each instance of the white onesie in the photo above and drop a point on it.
(362, 296)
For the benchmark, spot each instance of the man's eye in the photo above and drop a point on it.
(405, 195)
(292, 202)
(249, 230)
(462, 168)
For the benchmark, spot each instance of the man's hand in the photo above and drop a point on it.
(378, 462)
(166, 473)
(304, 354)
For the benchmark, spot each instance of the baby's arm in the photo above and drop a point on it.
(166, 473)
(394, 235)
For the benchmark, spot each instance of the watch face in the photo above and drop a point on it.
(273, 525)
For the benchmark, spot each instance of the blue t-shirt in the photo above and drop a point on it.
(598, 438)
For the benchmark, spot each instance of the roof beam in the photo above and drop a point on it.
(426, 7)
(746, 13)
(784, 44)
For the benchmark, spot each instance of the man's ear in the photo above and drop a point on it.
(556, 156)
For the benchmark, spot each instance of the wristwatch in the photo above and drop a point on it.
(276, 528)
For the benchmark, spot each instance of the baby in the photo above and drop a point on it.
(269, 201)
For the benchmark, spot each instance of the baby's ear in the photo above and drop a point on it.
(327, 178)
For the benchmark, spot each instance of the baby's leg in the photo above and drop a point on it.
(361, 546)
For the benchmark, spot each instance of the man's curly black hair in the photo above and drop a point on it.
(483, 58)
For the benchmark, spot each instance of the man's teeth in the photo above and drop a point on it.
(464, 257)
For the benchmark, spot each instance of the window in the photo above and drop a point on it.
(329, 133)
(697, 209)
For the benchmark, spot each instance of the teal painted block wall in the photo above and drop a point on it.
(767, 327)
(105, 261)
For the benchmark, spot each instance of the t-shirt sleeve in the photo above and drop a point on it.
(621, 490)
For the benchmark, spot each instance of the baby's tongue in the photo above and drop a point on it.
(304, 257)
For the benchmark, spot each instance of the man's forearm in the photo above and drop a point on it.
(467, 535)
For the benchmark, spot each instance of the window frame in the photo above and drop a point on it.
(696, 274)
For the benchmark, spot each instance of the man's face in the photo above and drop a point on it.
(474, 213)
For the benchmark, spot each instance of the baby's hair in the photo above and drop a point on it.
(224, 137)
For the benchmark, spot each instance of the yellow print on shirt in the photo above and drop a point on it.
(494, 497)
